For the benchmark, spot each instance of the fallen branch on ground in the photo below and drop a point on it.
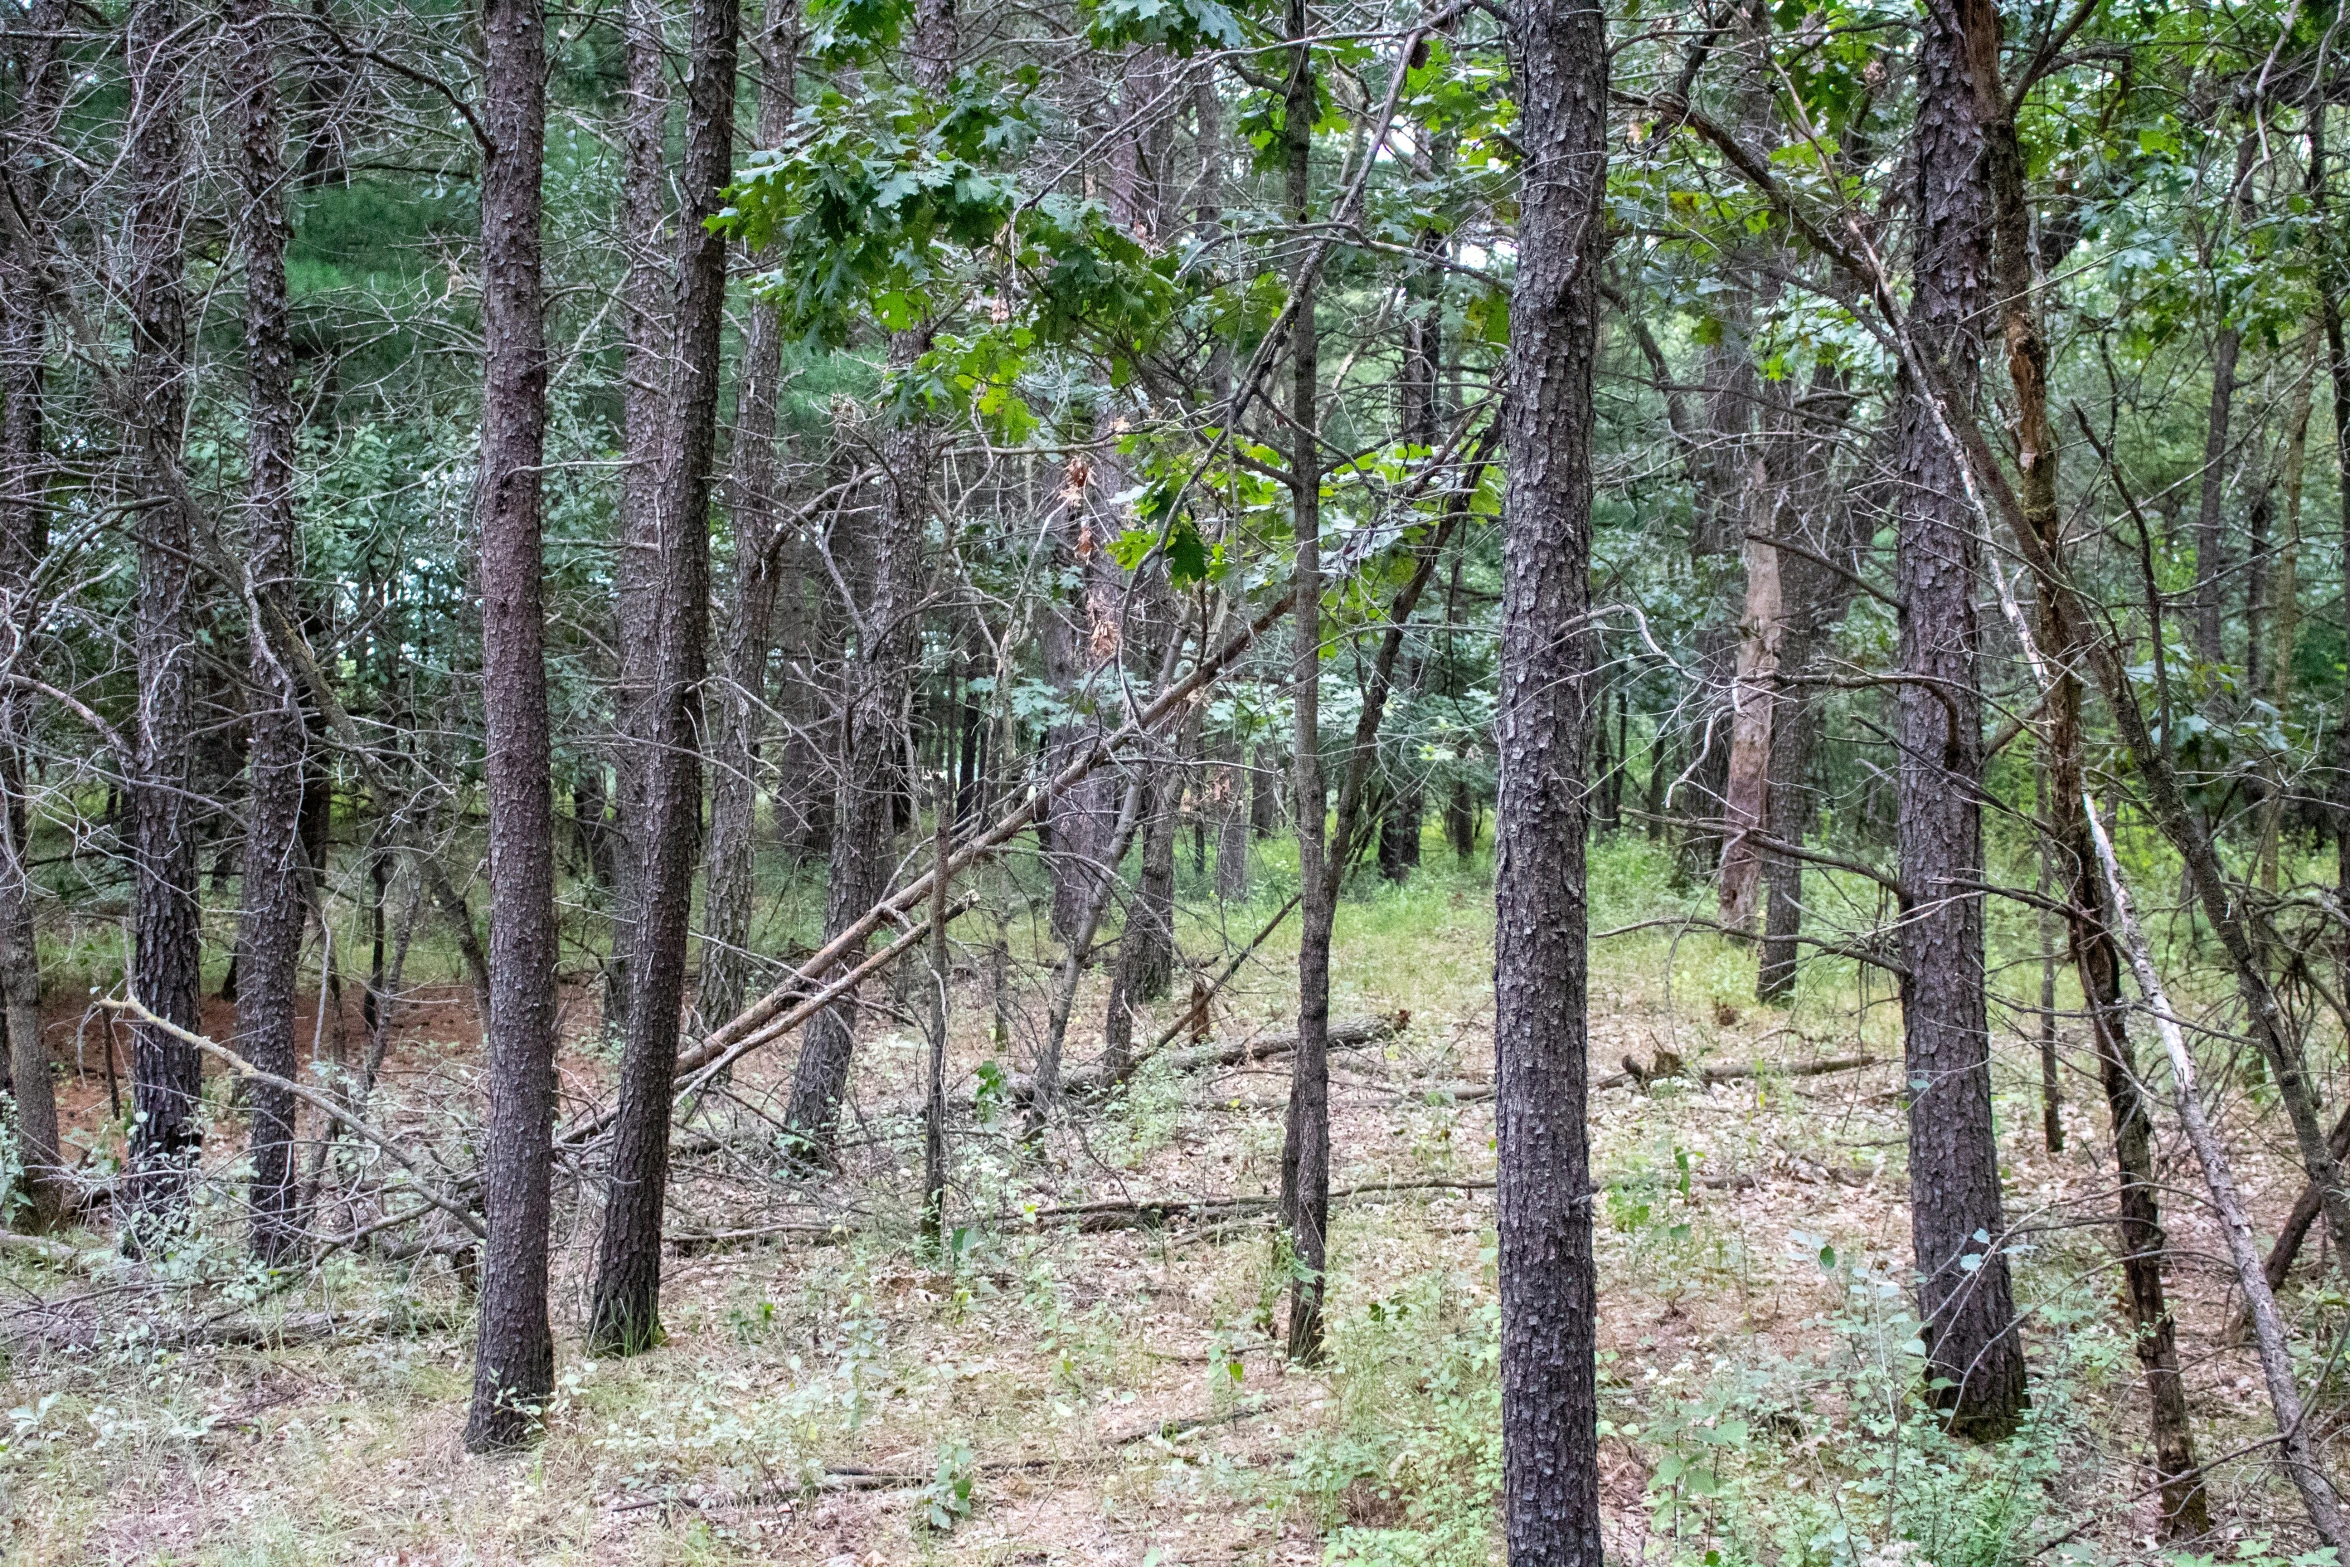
(309, 1096)
(1350, 1034)
(1473, 1093)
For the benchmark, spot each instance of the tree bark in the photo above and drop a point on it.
(1230, 794)
(642, 576)
(277, 867)
(624, 1317)
(1975, 1355)
(1305, 1150)
(1549, 1287)
(514, 1360)
(24, 542)
(1746, 784)
(2069, 846)
(759, 568)
(2333, 283)
(166, 1074)
(1816, 598)
(889, 647)
(2210, 540)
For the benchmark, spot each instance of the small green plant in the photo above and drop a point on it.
(946, 1500)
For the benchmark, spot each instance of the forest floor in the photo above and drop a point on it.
(829, 1394)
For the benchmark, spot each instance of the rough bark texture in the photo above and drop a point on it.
(625, 1314)
(276, 865)
(1816, 597)
(514, 1361)
(24, 540)
(167, 1075)
(739, 724)
(1549, 1288)
(1305, 1149)
(881, 681)
(1956, 1224)
(641, 578)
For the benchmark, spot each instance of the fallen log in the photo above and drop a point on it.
(58, 1254)
(1348, 1034)
(1093, 1218)
(1474, 1093)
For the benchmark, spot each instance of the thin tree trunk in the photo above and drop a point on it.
(2210, 541)
(166, 1074)
(24, 542)
(2333, 282)
(277, 869)
(934, 1077)
(2302, 1460)
(2051, 1086)
(1305, 1151)
(514, 1358)
(759, 560)
(1956, 1224)
(1080, 950)
(625, 1316)
(2287, 593)
(1549, 1286)
(2069, 849)
(1230, 794)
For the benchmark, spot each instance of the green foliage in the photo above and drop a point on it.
(947, 1500)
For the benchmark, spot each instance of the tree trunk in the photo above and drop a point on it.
(1150, 920)
(1815, 600)
(625, 1316)
(1549, 1288)
(2333, 283)
(514, 1359)
(1305, 1150)
(2069, 850)
(1230, 794)
(758, 564)
(1964, 1293)
(277, 867)
(166, 1074)
(2210, 541)
(1753, 703)
(24, 542)
(882, 682)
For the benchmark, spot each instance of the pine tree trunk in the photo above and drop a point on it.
(166, 1074)
(865, 823)
(24, 542)
(514, 1357)
(759, 559)
(641, 577)
(1305, 1151)
(1549, 1286)
(624, 1316)
(1956, 1224)
(277, 864)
